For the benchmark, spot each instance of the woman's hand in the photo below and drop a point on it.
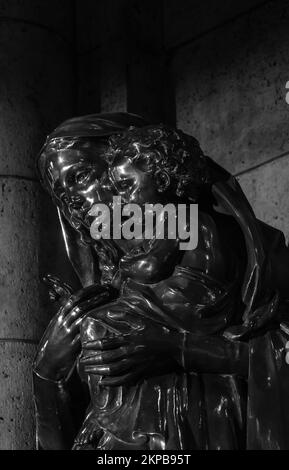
(58, 291)
(155, 350)
(60, 345)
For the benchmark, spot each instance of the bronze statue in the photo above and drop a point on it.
(162, 348)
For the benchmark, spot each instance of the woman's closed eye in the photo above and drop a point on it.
(76, 177)
(82, 177)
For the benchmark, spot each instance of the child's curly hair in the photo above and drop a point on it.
(165, 151)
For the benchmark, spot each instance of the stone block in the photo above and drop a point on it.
(21, 315)
(267, 189)
(184, 19)
(17, 422)
(230, 88)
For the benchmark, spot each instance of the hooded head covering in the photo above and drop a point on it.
(91, 126)
(96, 125)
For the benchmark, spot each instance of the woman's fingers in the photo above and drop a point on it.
(76, 340)
(57, 286)
(105, 357)
(106, 344)
(96, 294)
(113, 369)
(76, 313)
(51, 281)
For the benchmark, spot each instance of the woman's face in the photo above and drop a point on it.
(77, 176)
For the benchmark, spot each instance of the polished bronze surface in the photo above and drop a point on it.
(161, 348)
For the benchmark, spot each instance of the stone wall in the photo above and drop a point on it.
(230, 74)
(37, 91)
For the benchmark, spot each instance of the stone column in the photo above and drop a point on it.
(37, 91)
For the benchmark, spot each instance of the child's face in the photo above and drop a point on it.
(133, 182)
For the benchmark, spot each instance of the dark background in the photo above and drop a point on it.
(215, 68)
